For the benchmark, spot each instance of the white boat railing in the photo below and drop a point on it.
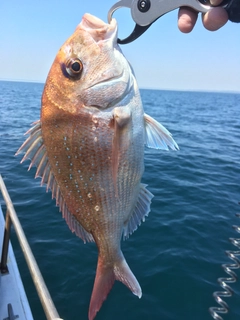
(42, 290)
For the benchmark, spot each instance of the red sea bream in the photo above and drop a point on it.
(88, 147)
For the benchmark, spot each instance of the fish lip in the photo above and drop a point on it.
(92, 21)
(98, 29)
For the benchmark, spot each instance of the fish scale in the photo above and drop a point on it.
(71, 166)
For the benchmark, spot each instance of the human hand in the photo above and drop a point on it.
(212, 20)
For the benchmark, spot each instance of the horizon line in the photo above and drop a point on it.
(141, 88)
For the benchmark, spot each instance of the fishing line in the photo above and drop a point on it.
(228, 268)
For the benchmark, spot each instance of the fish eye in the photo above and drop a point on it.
(74, 67)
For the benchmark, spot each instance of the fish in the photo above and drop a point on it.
(88, 147)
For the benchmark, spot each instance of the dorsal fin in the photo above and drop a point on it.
(157, 136)
(141, 210)
(35, 150)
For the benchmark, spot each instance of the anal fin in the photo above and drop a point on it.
(141, 210)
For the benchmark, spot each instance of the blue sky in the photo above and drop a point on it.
(163, 58)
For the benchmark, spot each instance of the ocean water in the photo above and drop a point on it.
(177, 253)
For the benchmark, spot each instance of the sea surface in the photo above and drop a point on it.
(177, 253)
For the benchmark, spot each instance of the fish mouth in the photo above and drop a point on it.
(98, 29)
(92, 22)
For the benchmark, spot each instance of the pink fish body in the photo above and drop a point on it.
(89, 148)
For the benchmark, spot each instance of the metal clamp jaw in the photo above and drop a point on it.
(145, 12)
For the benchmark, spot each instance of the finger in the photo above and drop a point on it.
(215, 19)
(186, 19)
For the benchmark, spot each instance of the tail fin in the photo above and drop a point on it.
(104, 280)
(124, 274)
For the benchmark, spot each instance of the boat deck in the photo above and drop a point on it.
(13, 300)
(11, 286)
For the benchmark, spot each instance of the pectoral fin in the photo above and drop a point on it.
(35, 150)
(121, 117)
(157, 136)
